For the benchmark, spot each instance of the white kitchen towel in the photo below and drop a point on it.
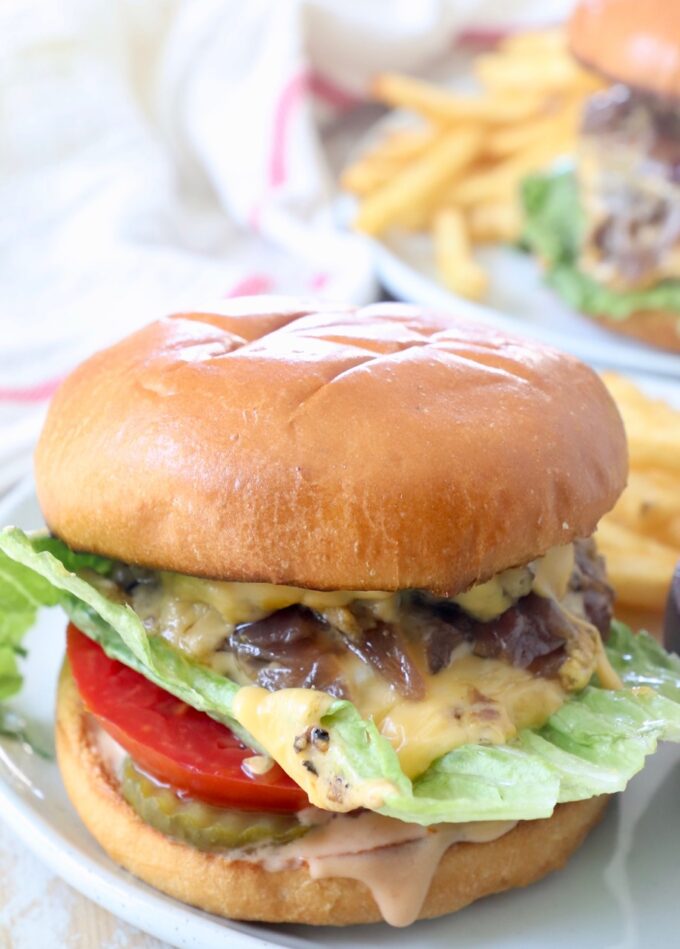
(157, 153)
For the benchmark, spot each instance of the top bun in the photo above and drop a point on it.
(636, 42)
(328, 447)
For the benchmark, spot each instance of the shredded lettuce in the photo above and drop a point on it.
(593, 745)
(553, 229)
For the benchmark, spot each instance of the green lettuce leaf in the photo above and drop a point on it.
(593, 745)
(641, 661)
(553, 222)
(35, 572)
(21, 594)
(553, 230)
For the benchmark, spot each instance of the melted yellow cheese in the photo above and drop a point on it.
(473, 701)
(246, 602)
(279, 721)
(553, 571)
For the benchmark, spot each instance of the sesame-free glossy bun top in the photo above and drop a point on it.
(636, 42)
(328, 447)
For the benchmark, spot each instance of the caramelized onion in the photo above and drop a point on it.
(590, 579)
(296, 647)
(291, 648)
(440, 627)
(524, 635)
(384, 647)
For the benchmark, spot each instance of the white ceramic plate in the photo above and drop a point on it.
(618, 891)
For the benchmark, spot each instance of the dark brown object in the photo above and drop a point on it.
(291, 648)
(671, 624)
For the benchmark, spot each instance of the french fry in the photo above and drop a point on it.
(366, 175)
(639, 568)
(672, 532)
(562, 126)
(552, 74)
(651, 444)
(625, 393)
(419, 181)
(650, 504)
(440, 105)
(407, 143)
(420, 216)
(652, 426)
(500, 182)
(479, 148)
(377, 167)
(453, 256)
(496, 222)
(532, 43)
(641, 536)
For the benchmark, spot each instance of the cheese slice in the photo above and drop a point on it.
(247, 602)
(473, 701)
(281, 722)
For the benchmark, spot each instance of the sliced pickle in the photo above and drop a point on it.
(202, 825)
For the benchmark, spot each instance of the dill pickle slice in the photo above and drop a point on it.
(202, 825)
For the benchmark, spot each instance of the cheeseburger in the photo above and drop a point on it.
(609, 229)
(340, 645)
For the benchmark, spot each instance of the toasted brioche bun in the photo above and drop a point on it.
(241, 890)
(379, 448)
(657, 327)
(636, 42)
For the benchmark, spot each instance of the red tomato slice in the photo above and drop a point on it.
(171, 740)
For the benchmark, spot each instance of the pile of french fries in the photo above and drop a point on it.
(640, 537)
(455, 171)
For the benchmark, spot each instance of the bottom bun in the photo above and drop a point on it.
(241, 890)
(657, 327)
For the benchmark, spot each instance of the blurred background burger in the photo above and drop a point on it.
(608, 232)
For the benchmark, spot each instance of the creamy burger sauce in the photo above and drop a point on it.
(395, 860)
